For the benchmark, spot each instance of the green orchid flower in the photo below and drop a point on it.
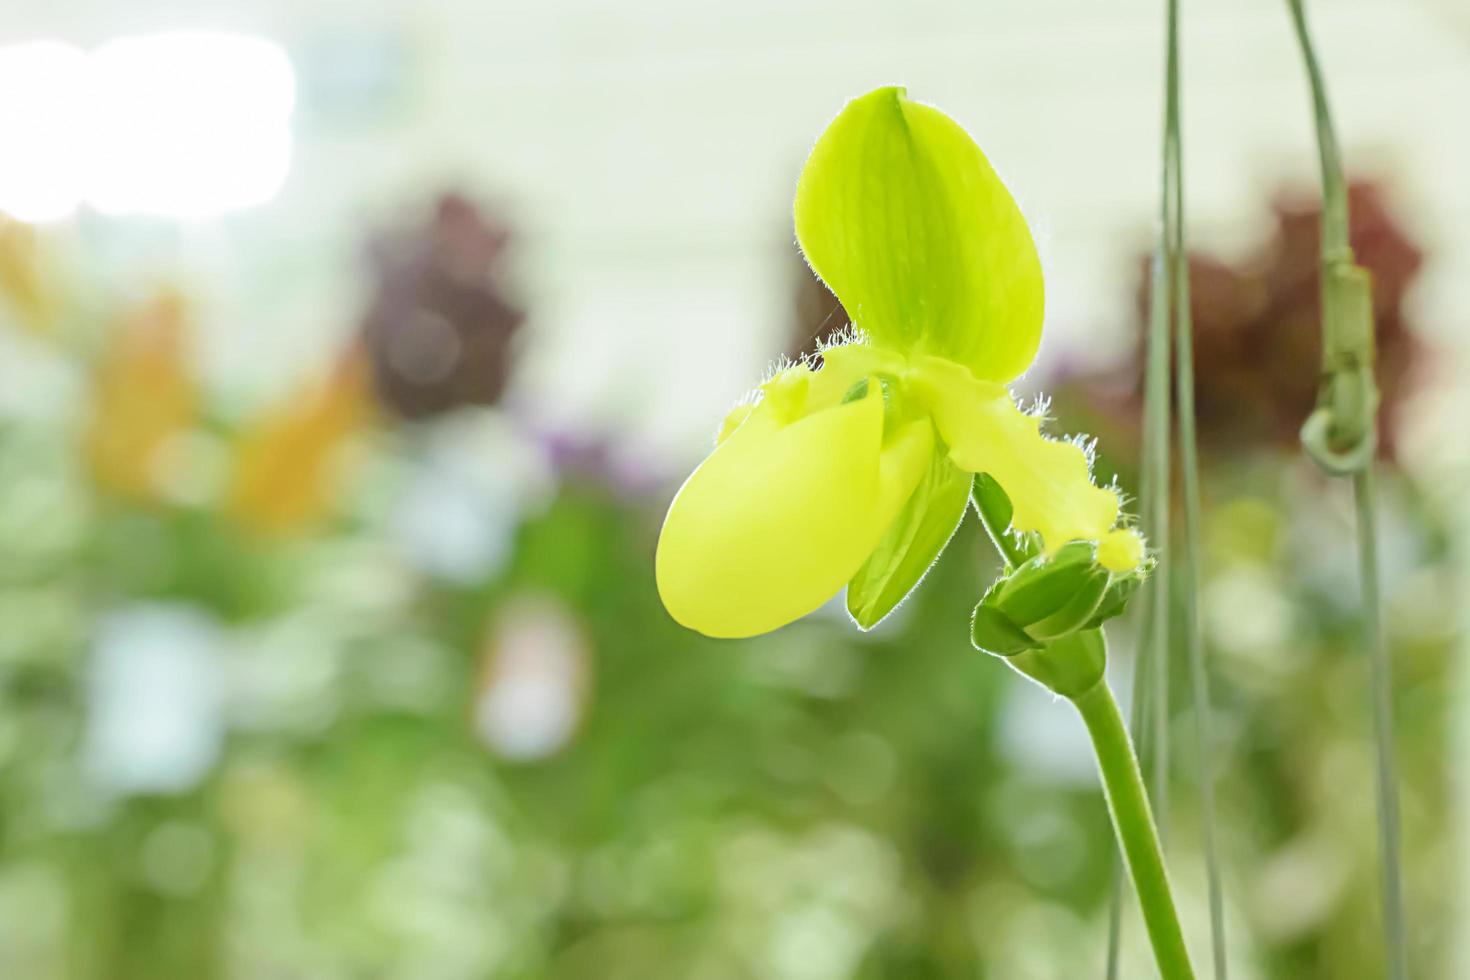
(857, 472)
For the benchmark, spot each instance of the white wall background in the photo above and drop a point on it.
(647, 150)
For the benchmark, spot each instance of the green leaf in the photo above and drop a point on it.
(911, 544)
(900, 213)
(992, 631)
(1046, 585)
(1115, 600)
(1076, 613)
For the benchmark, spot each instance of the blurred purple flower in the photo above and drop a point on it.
(589, 458)
(440, 331)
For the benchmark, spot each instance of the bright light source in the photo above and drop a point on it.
(183, 123)
(42, 144)
(189, 123)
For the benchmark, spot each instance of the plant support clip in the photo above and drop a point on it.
(1341, 434)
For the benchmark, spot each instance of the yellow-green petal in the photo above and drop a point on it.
(900, 213)
(1049, 481)
(783, 513)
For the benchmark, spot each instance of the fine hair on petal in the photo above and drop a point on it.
(846, 335)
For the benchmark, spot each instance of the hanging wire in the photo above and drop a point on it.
(1189, 565)
(1169, 292)
(1154, 489)
(1341, 436)
(1149, 712)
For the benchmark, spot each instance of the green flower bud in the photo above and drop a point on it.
(1115, 599)
(1045, 599)
(1070, 666)
(1043, 617)
(992, 631)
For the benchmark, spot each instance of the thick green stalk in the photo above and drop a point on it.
(1138, 730)
(1337, 255)
(1075, 663)
(1137, 836)
(1189, 565)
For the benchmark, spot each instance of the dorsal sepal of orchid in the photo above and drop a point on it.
(900, 213)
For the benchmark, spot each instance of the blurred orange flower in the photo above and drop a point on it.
(143, 395)
(287, 461)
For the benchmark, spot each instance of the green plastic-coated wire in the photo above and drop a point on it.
(1347, 408)
(1189, 555)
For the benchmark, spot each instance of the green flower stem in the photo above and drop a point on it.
(1073, 666)
(1133, 821)
(993, 508)
(1140, 732)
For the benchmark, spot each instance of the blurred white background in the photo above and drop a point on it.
(647, 151)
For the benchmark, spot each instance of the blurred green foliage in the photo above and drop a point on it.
(229, 754)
